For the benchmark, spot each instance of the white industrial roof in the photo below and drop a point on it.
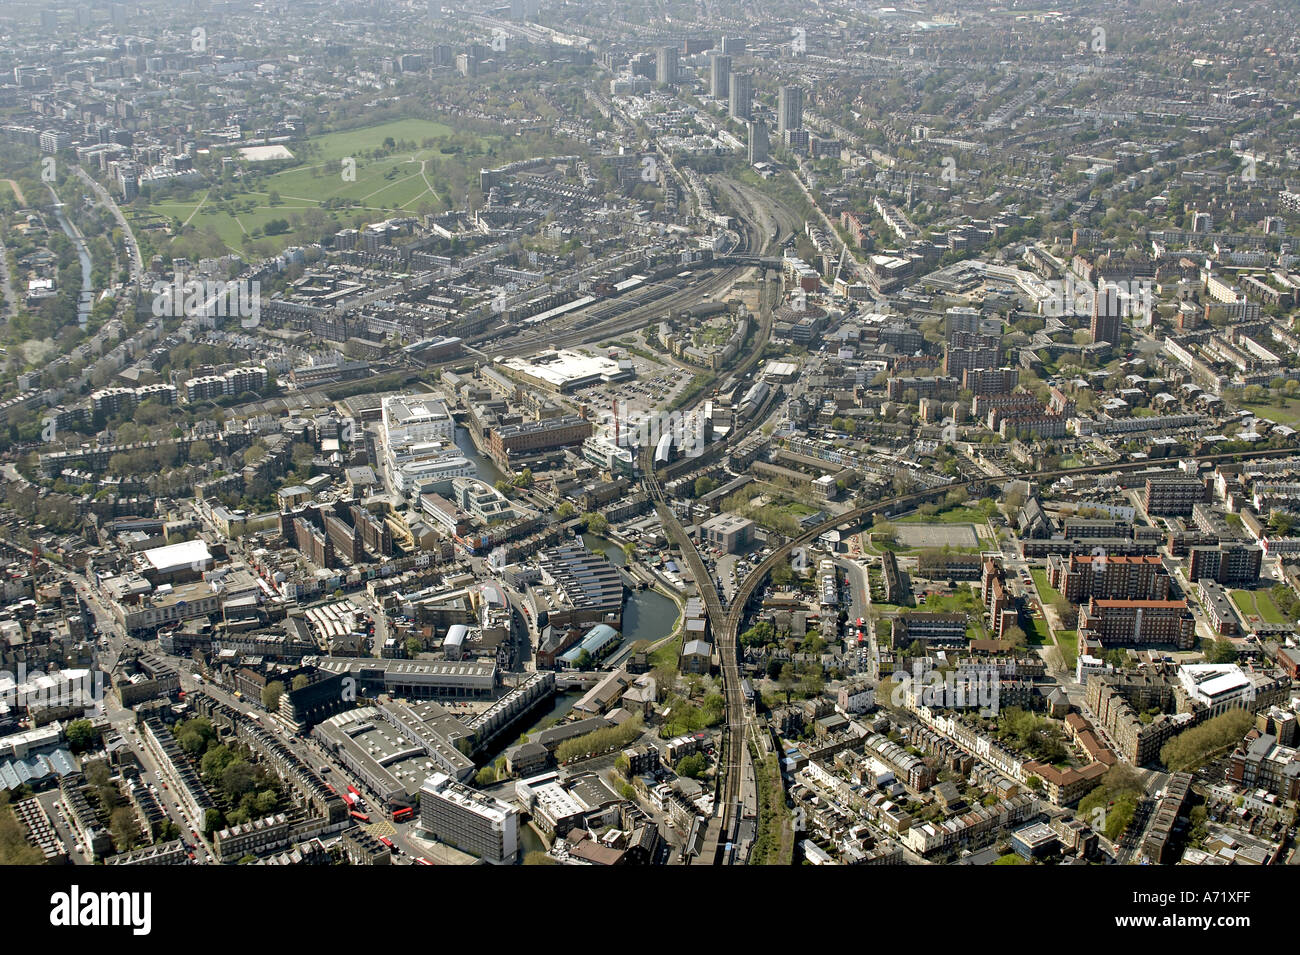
(177, 556)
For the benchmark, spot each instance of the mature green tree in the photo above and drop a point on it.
(1221, 651)
(214, 762)
(97, 773)
(694, 766)
(81, 735)
(266, 802)
(271, 694)
(789, 679)
(1191, 748)
(124, 828)
(883, 530)
(168, 831)
(211, 821)
(238, 778)
(191, 741)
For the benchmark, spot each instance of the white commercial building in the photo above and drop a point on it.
(432, 474)
(411, 419)
(176, 558)
(469, 820)
(1219, 686)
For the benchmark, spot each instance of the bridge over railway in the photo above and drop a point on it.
(762, 261)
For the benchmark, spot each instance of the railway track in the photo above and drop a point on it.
(752, 238)
(580, 329)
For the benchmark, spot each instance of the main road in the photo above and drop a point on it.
(128, 236)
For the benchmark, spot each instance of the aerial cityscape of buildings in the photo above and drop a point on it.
(649, 434)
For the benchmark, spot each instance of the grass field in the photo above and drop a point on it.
(1258, 603)
(390, 185)
(1068, 641)
(957, 515)
(1038, 633)
(963, 600)
(1287, 413)
(1045, 590)
(666, 655)
(889, 608)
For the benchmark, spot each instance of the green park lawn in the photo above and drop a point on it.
(963, 600)
(1038, 633)
(1045, 590)
(1258, 603)
(394, 184)
(889, 608)
(956, 515)
(1288, 412)
(1068, 641)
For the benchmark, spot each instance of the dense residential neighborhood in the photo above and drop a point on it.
(667, 434)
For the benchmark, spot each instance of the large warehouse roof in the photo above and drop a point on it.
(173, 557)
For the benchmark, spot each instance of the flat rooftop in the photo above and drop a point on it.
(187, 554)
(566, 369)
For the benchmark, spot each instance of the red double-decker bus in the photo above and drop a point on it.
(359, 816)
(401, 815)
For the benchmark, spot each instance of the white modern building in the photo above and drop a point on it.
(431, 474)
(605, 454)
(1219, 686)
(411, 419)
(186, 556)
(469, 820)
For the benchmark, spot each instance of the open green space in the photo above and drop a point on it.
(1045, 590)
(1038, 634)
(879, 547)
(774, 838)
(350, 142)
(1258, 603)
(1287, 412)
(797, 508)
(889, 608)
(666, 655)
(963, 600)
(1068, 641)
(388, 181)
(956, 515)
